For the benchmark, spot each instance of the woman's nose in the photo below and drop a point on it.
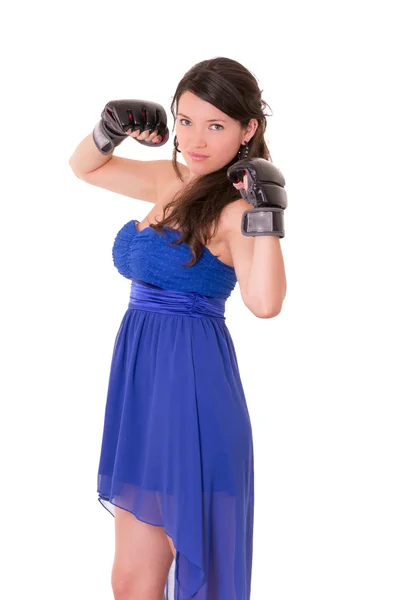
(198, 140)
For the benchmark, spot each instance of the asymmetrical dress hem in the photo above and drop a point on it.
(177, 449)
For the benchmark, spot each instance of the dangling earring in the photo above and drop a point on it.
(176, 144)
(243, 151)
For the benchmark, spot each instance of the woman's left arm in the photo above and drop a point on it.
(266, 283)
(258, 264)
(263, 186)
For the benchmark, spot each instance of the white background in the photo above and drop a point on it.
(321, 379)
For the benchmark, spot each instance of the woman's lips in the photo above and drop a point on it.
(197, 156)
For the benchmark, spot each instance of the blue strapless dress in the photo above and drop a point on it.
(177, 447)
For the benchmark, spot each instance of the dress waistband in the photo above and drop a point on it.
(148, 297)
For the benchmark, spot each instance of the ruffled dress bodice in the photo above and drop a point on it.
(148, 257)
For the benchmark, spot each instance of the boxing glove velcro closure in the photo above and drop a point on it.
(263, 221)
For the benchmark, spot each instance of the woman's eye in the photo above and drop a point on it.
(213, 125)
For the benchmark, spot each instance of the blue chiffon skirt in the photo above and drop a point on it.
(177, 447)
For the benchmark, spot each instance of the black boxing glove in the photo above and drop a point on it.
(266, 192)
(120, 115)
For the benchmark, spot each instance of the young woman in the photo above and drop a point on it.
(176, 462)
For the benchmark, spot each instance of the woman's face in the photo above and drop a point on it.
(203, 129)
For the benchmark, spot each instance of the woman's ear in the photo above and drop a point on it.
(252, 127)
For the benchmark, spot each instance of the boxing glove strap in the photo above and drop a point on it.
(263, 220)
(105, 140)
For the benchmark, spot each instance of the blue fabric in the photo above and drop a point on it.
(177, 447)
(148, 256)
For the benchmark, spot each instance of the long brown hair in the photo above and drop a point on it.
(233, 89)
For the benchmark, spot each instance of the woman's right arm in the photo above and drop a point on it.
(87, 157)
(93, 160)
(138, 179)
